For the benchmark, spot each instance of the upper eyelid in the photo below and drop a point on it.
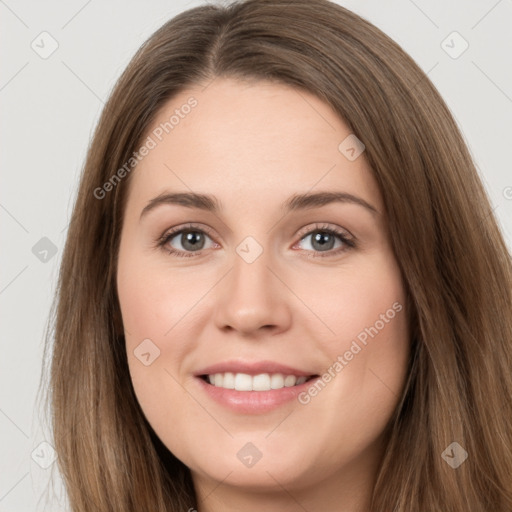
(301, 234)
(320, 226)
(349, 242)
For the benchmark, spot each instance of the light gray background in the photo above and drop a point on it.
(49, 108)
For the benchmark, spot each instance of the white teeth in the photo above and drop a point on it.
(277, 381)
(218, 379)
(290, 381)
(261, 382)
(229, 381)
(243, 382)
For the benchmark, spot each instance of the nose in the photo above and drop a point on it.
(253, 299)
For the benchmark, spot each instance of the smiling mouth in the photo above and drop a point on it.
(260, 382)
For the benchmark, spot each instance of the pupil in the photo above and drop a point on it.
(191, 237)
(322, 238)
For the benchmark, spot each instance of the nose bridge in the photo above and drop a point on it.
(251, 277)
(251, 297)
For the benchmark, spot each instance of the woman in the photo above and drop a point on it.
(342, 339)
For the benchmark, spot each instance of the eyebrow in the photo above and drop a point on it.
(296, 202)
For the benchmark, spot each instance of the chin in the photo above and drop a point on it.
(257, 466)
(262, 477)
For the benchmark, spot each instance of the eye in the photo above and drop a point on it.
(323, 240)
(192, 240)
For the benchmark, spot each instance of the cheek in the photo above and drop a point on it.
(152, 300)
(369, 349)
(366, 358)
(353, 299)
(157, 308)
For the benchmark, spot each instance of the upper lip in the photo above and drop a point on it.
(252, 368)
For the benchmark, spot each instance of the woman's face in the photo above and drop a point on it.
(279, 281)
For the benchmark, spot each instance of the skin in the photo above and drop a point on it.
(253, 145)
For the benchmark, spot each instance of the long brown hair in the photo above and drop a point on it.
(454, 261)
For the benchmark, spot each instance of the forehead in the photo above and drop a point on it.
(250, 142)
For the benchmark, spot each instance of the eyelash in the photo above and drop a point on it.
(168, 236)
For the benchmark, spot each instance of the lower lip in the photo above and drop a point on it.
(253, 402)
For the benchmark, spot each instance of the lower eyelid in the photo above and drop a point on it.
(346, 241)
(166, 239)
